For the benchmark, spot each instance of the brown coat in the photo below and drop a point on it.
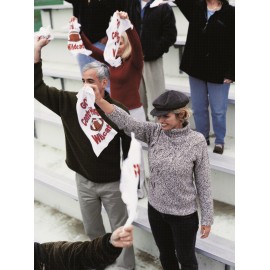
(64, 255)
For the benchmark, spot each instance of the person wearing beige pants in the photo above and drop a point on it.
(152, 84)
(91, 198)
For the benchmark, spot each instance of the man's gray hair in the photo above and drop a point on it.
(102, 70)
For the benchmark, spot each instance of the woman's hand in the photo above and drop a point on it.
(72, 19)
(123, 15)
(205, 230)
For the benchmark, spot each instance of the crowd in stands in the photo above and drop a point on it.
(130, 96)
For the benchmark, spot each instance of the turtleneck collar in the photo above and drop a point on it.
(176, 132)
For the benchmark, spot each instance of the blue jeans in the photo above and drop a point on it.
(204, 93)
(175, 233)
(85, 59)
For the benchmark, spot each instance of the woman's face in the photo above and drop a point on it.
(169, 121)
(122, 47)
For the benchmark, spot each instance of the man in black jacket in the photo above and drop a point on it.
(97, 177)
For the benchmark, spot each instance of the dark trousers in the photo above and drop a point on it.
(175, 237)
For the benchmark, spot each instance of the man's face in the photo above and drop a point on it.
(90, 77)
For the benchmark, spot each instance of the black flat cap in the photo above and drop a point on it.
(169, 101)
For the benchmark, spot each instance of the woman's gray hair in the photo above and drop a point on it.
(102, 70)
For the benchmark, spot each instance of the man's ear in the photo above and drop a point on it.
(104, 83)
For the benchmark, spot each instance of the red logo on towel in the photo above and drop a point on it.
(136, 169)
(75, 46)
(96, 124)
(88, 113)
(84, 103)
(116, 35)
(100, 137)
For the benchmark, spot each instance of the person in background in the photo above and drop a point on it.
(99, 253)
(125, 79)
(97, 177)
(94, 17)
(157, 30)
(209, 60)
(179, 174)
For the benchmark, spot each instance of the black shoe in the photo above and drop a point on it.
(219, 148)
(208, 141)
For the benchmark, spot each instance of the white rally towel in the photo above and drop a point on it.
(75, 44)
(45, 32)
(130, 175)
(160, 2)
(95, 128)
(116, 27)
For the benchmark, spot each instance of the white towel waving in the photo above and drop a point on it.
(116, 27)
(130, 174)
(45, 32)
(93, 125)
(75, 44)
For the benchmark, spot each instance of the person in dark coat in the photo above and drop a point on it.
(99, 253)
(97, 177)
(209, 60)
(156, 27)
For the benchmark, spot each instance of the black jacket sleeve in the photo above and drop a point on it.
(169, 31)
(230, 68)
(48, 96)
(186, 7)
(80, 255)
